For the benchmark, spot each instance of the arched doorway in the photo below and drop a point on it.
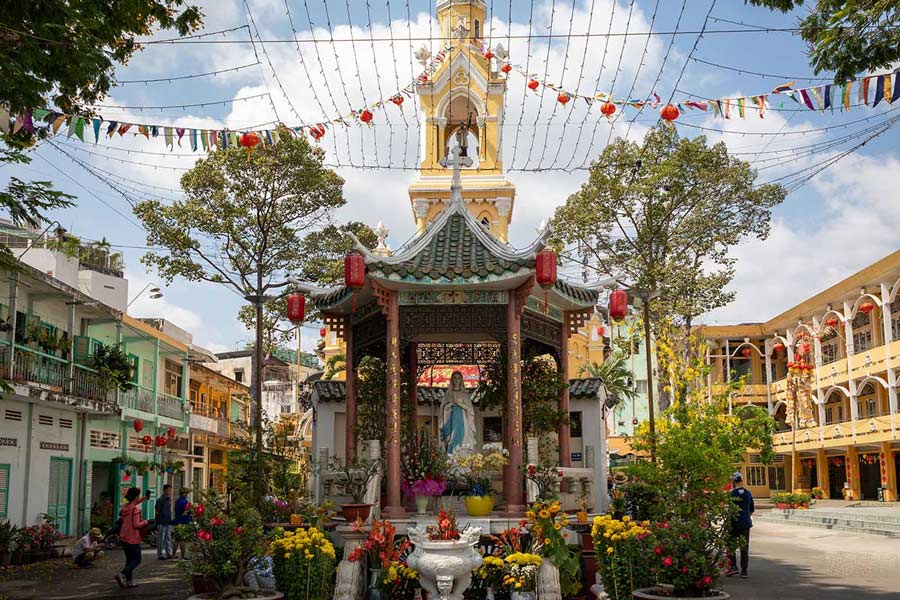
(837, 475)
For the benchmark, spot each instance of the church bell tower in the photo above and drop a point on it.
(462, 105)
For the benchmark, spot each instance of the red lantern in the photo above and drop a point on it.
(317, 132)
(398, 100)
(506, 68)
(832, 322)
(669, 113)
(146, 440)
(366, 116)
(600, 330)
(746, 352)
(489, 55)
(354, 271)
(563, 98)
(323, 332)
(160, 441)
(804, 348)
(778, 347)
(249, 141)
(866, 307)
(296, 308)
(545, 268)
(138, 425)
(533, 85)
(618, 304)
(608, 108)
(171, 433)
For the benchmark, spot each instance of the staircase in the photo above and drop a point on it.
(878, 521)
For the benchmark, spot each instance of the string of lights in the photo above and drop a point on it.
(396, 80)
(362, 89)
(272, 68)
(743, 71)
(183, 77)
(544, 78)
(185, 106)
(768, 133)
(512, 161)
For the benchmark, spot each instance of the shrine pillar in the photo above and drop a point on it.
(412, 391)
(565, 442)
(393, 509)
(512, 475)
(350, 387)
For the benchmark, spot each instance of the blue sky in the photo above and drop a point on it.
(841, 220)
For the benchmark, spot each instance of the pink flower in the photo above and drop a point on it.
(217, 521)
(658, 550)
(239, 531)
(682, 536)
(707, 580)
(684, 570)
(667, 561)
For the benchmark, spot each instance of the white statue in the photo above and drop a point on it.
(457, 417)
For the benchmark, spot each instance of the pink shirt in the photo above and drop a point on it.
(131, 523)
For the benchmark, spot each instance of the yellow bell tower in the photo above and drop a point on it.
(462, 105)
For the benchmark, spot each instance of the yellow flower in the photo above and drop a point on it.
(610, 550)
(544, 514)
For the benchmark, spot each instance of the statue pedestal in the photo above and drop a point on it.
(350, 583)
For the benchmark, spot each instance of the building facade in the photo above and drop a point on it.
(839, 431)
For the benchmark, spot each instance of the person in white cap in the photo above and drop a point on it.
(740, 525)
(87, 548)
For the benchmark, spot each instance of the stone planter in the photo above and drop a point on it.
(352, 512)
(422, 504)
(260, 595)
(479, 506)
(445, 567)
(666, 592)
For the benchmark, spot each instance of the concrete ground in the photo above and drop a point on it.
(790, 562)
(59, 579)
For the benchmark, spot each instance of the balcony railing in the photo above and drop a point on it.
(139, 398)
(170, 406)
(34, 366)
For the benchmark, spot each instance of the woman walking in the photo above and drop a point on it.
(130, 535)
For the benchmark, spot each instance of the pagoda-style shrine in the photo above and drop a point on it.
(455, 295)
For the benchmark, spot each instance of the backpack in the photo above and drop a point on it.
(117, 527)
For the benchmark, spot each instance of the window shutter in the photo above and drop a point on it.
(4, 491)
(82, 345)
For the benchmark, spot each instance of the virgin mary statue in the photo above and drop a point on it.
(457, 417)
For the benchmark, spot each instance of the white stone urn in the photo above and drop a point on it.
(445, 567)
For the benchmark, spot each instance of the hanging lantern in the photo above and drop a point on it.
(618, 304)
(533, 85)
(745, 352)
(160, 441)
(506, 68)
(669, 113)
(365, 116)
(804, 348)
(600, 331)
(146, 440)
(323, 332)
(778, 347)
(296, 308)
(489, 55)
(249, 141)
(608, 109)
(317, 132)
(354, 274)
(563, 98)
(832, 322)
(138, 425)
(398, 99)
(866, 307)
(545, 268)
(171, 433)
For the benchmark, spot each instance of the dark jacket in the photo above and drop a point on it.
(743, 499)
(163, 510)
(182, 517)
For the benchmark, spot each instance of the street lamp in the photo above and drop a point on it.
(155, 293)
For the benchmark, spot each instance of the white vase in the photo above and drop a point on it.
(422, 504)
(521, 596)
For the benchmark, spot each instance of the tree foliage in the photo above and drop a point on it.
(614, 375)
(661, 216)
(848, 37)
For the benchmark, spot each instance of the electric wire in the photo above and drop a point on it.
(512, 161)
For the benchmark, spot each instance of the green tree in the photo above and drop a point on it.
(614, 375)
(847, 36)
(336, 363)
(662, 215)
(242, 226)
(323, 263)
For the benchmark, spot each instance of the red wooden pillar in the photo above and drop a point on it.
(512, 477)
(565, 442)
(350, 387)
(412, 391)
(394, 507)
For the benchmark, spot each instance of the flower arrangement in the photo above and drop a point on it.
(446, 528)
(275, 510)
(624, 554)
(398, 580)
(479, 468)
(424, 466)
(491, 572)
(818, 493)
(546, 477)
(521, 571)
(387, 553)
(304, 562)
(547, 521)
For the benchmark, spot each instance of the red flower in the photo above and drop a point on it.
(684, 570)
(239, 531)
(682, 536)
(531, 470)
(199, 509)
(658, 550)
(667, 561)
(707, 580)
(217, 521)
(560, 473)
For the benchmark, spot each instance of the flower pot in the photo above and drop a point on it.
(352, 512)
(666, 592)
(479, 506)
(422, 504)
(372, 593)
(260, 595)
(521, 596)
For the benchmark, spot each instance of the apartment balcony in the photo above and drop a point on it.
(59, 379)
(170, 406)
(209, 421)
(870, 430)
(147, 400)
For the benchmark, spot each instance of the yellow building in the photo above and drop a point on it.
(218, 403)
(840, 435)
(462, 102)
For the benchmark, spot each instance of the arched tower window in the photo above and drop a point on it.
(461, 113)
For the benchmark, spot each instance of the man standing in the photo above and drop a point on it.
(740, 525)
(164, 524)
(87, 548)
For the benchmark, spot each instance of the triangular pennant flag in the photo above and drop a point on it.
(888, 96)
(896, 94)
(111, 128)
(740, 103)
(816, 93)
(154, 131)
(39, 113)
(169, 134)
(827, 101)
(783, 88)
(28, 122)
(144, 130)
(79, 128)
(203, 135)
(73, 123)
(4, 118)
(96, 123)
(761, 102)
(20, 120)
(224, 139)
(879, 90)
(194, 140)
(123, 128)
(180, 132)
(807, 101)
(727, 108)
(864, 91)
(848, 89)
(270, 138)
(717, 108)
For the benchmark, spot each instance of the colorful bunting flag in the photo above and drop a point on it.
(848, 89)
(96, 124)
(879, 90)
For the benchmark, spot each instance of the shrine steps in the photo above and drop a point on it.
(882, 523)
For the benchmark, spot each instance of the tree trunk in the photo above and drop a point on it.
(259, 479)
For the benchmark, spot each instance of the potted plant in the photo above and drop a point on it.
(546, 521)
(546, 477)
(424, 467)
(818, 493)
(478, 470)
(304, 563)
(228, 544)
(383, 550)
(625, 552)
(8, 534)
(782, 500)
(112, 366)
(355, 475)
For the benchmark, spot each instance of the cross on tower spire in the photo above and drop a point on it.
(456, 161)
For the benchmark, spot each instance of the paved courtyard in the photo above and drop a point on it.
(789, 562)
(61, 580)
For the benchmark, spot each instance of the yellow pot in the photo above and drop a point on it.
(479, 506)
